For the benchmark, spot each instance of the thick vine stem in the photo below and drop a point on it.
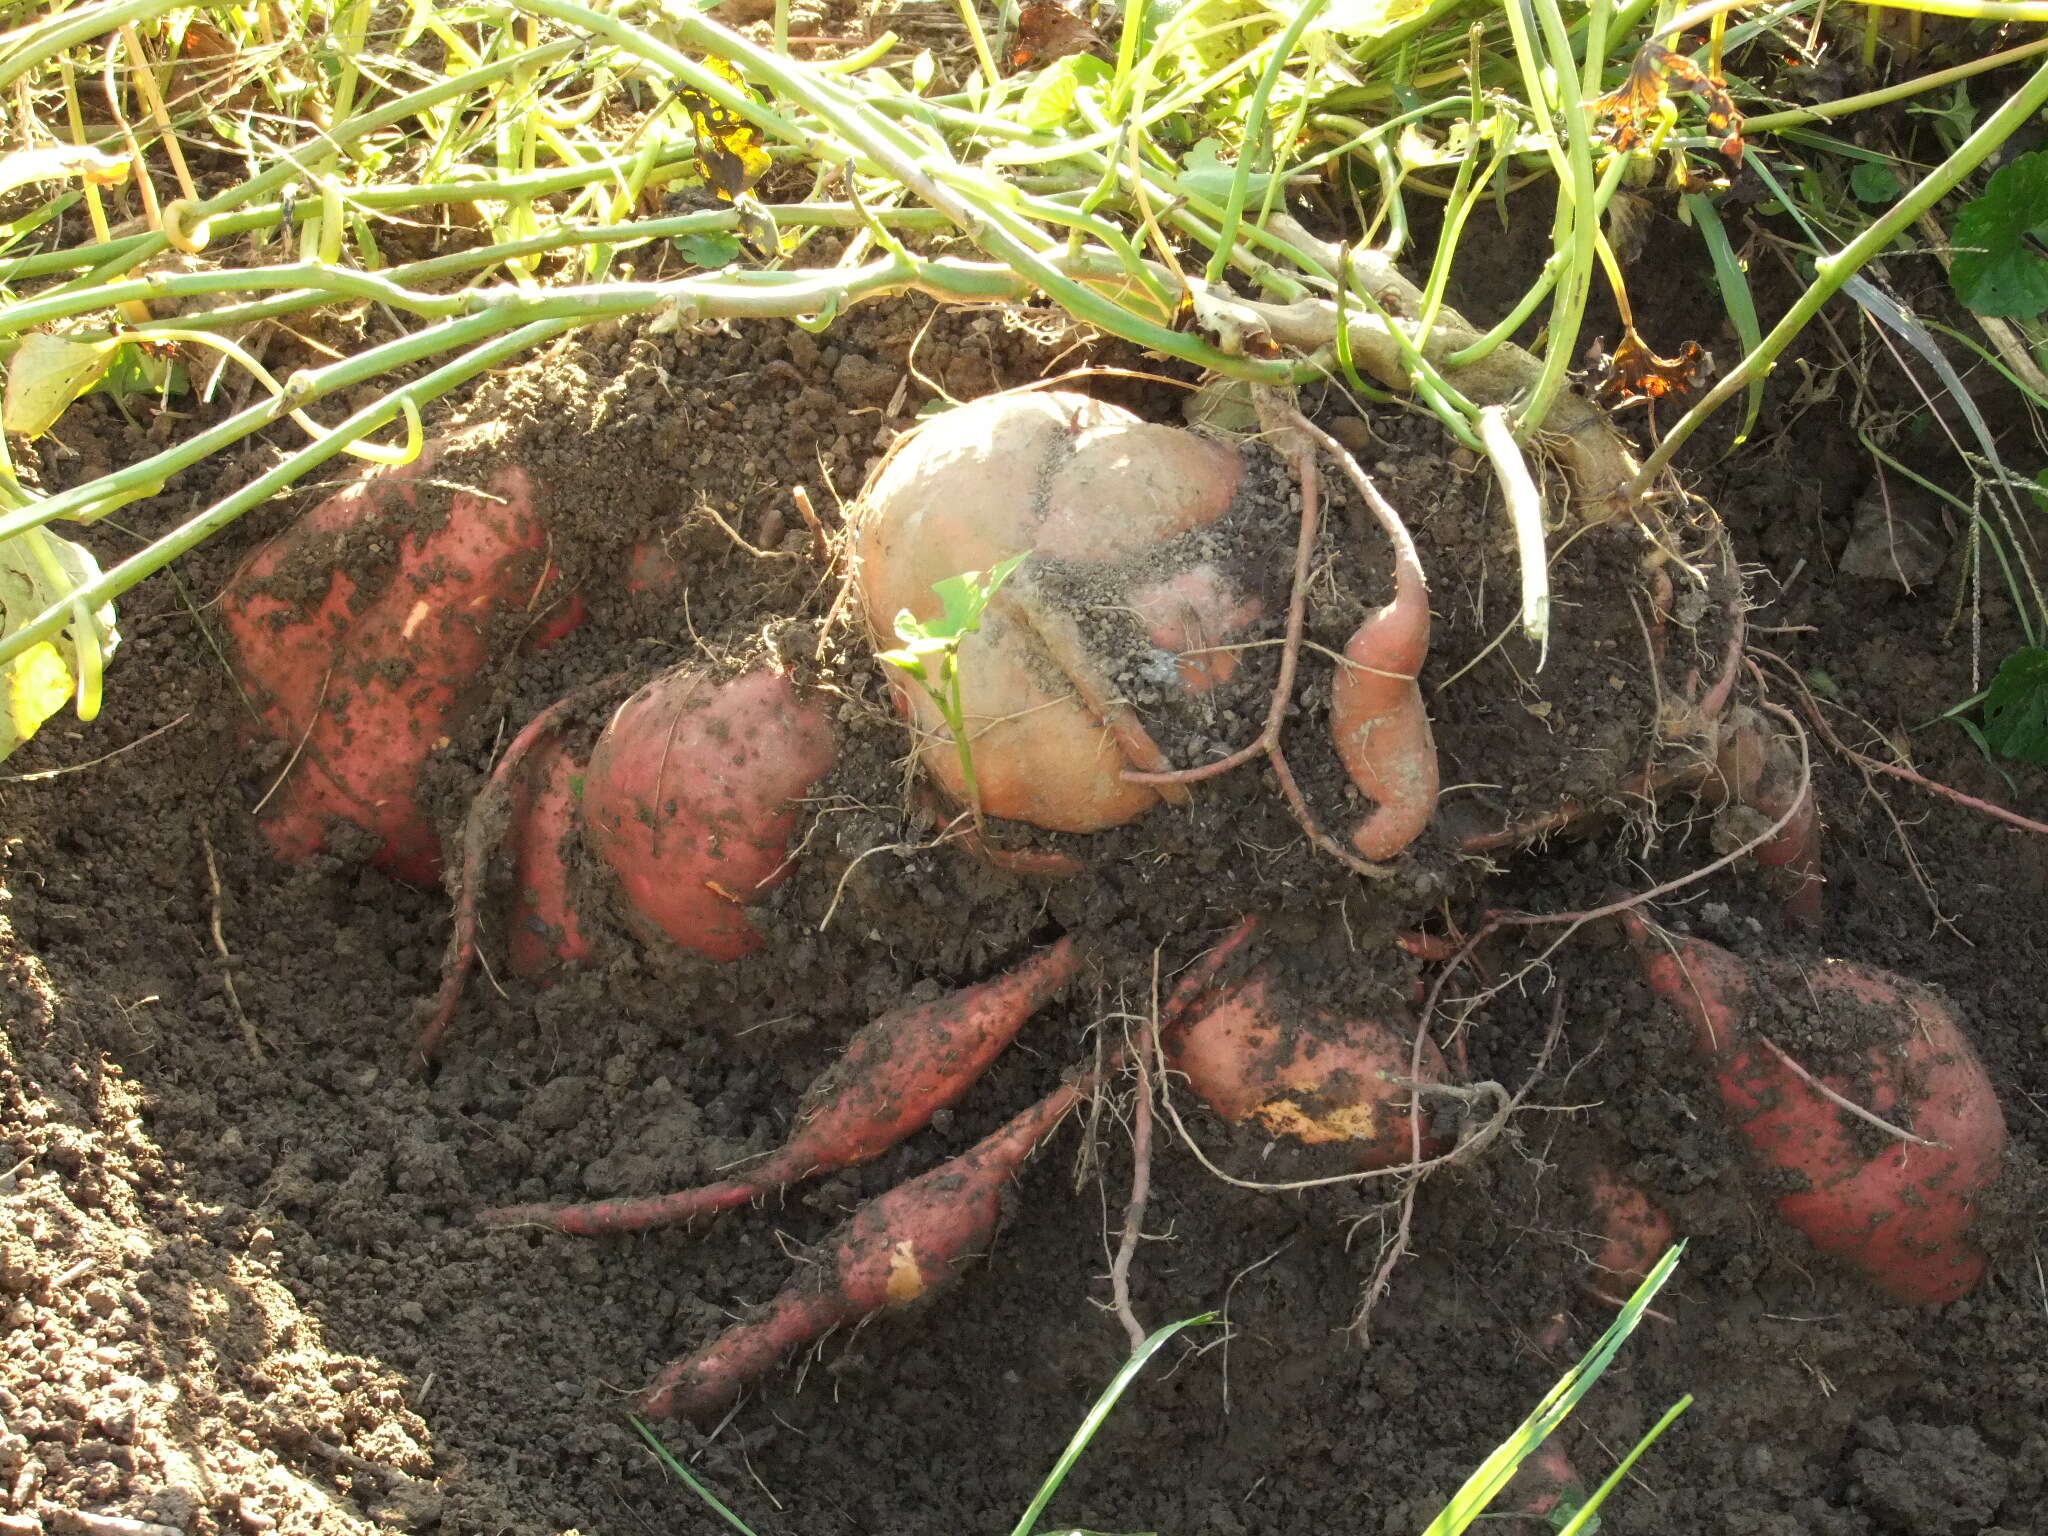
(1601, 466)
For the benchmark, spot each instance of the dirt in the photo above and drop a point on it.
(248, 1291)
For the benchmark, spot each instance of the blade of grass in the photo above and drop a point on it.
(1492, 1475)
(689, 1479)
(1096, 1415)
(1735, 295)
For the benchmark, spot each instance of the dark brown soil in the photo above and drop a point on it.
(246, 1290)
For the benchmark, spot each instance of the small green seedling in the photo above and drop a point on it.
(930, 653)
(2016, 707)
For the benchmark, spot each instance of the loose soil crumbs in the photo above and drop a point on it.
(248, 1294)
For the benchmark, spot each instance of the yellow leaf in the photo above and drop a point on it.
(47, 374)
(729, 152)
(38, 685)
(60, 162)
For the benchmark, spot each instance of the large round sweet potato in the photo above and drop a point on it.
(1899, 1211)
(690, 799)
(1116, 591)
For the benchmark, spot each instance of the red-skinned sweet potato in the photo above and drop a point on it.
(545, 932)
(892, 1078)
(1304, 1074)
(690, 796)
(1630, 1231)
(896, 1249)
(1377, 718)
(1897, 1211)
(358, 633)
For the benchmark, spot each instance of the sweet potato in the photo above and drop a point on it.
(1377, 717)
(1759, 769)
(1103, 502)
(1899, 1211)
(1304, 1074)
(535, 764)
(357, 635)
(1630, 1231)
(893, 1077)
(689, 798)
(546, 932)
(897, 1248)
(1546, 1487)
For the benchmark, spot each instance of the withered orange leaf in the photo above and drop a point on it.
(1657, 75)
(1049, 30)
(1634, 375)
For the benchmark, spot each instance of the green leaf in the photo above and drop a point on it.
(1048, 101)
(2016, 707)
(2001, 243)
(38, 569)
(1874, 183)
(710, 251)
(134, 372)
(1733, 278)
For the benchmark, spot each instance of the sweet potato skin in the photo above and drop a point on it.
(1382, 731)
(895, 1250)
(1378, 720)
(546, 932)
(894, 1075)
(689, 798)
(1304, 1074)
(1630, 1230)
(1900, 1214)
(1085, 484)
(367, 681)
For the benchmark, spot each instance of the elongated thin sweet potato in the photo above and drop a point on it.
(358, 633)
(894, 1076)
(1377, 717)
(546, 932)
(1898, 1211)
(895, 1249)
(690, 799)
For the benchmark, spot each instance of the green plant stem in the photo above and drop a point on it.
(1830, 272)
(1516, 318)
(758, 295)
(66, 31)
(311, 283)
(1905, 90)
(1577, 192)
(990, 75)
(916, 164)
(953, 707)
(1255, 134)
(296, 163)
